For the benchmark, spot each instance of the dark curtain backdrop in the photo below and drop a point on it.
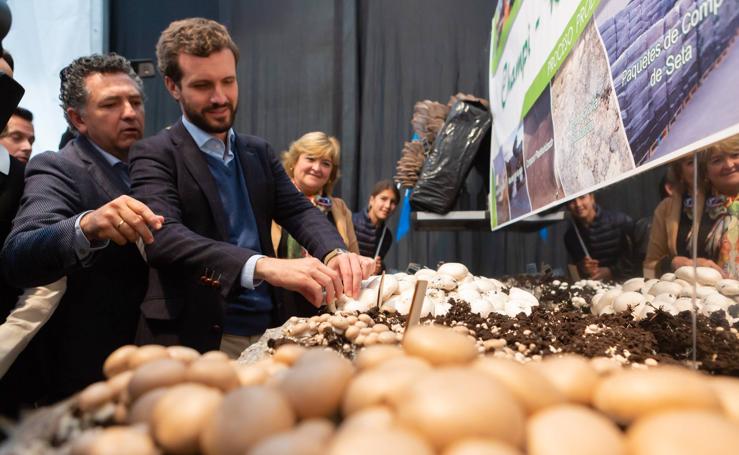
(355, 68)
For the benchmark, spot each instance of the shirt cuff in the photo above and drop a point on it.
(82, 247)
(247, 273)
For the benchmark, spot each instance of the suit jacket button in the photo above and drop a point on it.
(215, 328)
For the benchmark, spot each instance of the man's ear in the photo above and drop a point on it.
(172, 87)
(77, 120)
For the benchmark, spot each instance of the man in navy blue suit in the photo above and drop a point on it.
(213, 265)
(77, 220)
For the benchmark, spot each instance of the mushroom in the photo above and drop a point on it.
(449, 404)
(118, 441)
(439, 345)
(213, 372)
(572, 375)
(634, 284)
(703, 275)
(630, 394)
(665, 287)
(727, 389)
(627, 300)
(532, 389)
(146, 353)
(683, 431)
(117, 361)
(442, 281)
(573, 430)
(728, 287)
(316, 382)
(372, 356)
(94, 396)
(454, 269)
(244, 417)
(389, 441)
(152, 375)
(184, 353)
(180, 415)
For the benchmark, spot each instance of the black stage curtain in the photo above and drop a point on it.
(355, 68)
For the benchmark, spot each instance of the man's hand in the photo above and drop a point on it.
(602, 273)
(590, 266)
(308, 276)
(122, 220)
(378, 265)
(352, 268)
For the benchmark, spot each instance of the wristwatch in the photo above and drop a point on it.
(332, 254)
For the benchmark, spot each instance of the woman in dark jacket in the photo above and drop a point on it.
(373, 234)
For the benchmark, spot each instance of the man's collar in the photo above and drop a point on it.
(201, 137)
(111, 159)
(4, 161)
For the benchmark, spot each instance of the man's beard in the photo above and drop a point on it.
(199, 119)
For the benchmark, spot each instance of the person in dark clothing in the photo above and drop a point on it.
(373, 234)
(607, 238)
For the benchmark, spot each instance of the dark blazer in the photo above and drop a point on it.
(170, 174)
(11, 188)
(100, 308)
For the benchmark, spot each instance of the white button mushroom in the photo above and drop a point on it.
(728, 287)
(454, 269)
(663, 287)
(634, 284)
(627, 299)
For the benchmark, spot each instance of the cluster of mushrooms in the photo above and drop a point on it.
(672, 292)
(433, 394)
(450, 281)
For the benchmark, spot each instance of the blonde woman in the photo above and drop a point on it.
(312, 163)
(670, 244)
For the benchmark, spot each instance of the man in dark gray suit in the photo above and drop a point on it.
(76, 220)
(219, 190)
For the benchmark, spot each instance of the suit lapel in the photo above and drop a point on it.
(253, 174)
(198, 167)
(100, 170)
(256, 184)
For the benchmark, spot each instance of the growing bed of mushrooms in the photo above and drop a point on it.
(526, 364)
(433, 394)
(642, 322)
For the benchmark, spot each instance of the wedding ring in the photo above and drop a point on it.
(120, 223)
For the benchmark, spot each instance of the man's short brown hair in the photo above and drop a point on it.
(195, 36)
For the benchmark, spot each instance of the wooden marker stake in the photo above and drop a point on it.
(414, 315)
(379, 290)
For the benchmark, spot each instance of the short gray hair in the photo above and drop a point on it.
(73, 92)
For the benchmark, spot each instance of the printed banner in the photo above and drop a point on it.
(586, 93)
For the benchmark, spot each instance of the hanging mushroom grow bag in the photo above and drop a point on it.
(451, 157)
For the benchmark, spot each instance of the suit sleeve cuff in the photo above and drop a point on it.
(247, 273)
(83, 249)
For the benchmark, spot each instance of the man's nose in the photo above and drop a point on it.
(219, 96)
(128, 110)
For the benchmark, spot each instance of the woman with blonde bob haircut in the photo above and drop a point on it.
(312, 163)
(670, 245)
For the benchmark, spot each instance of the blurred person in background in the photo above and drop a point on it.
(668, 215)
(18, 136)
(373, 234)
(312, 162)
(670, 245)
(606, 235)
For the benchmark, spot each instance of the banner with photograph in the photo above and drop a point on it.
(586, 93)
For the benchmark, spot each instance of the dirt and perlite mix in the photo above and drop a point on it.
(557, 326)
